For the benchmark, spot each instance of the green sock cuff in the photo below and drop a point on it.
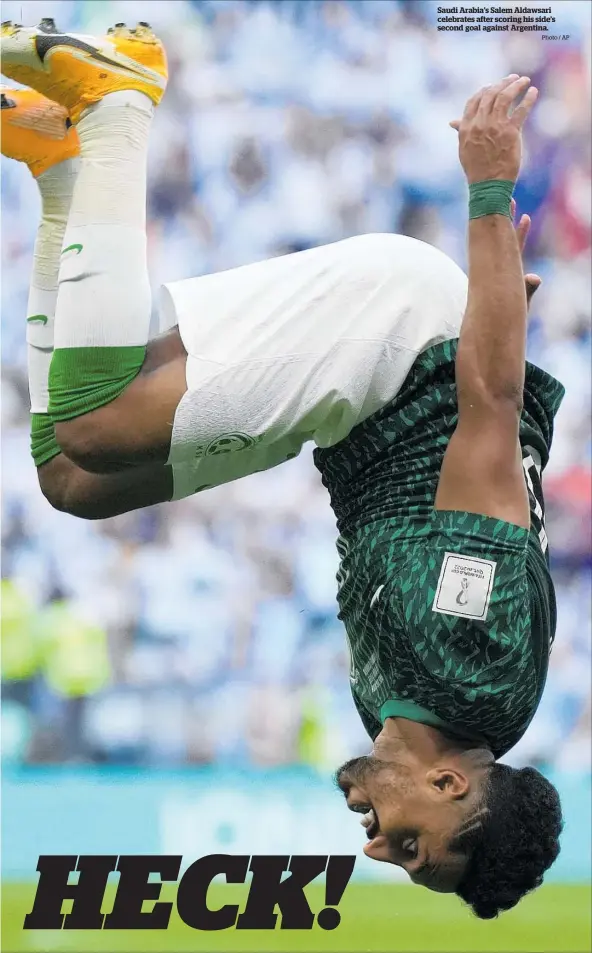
(84, 378)
(492, 197)
(44, 446)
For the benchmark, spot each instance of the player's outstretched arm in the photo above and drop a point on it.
(482, 468)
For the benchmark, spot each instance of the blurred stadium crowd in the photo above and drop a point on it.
(285, 125)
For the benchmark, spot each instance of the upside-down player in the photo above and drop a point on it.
(431, 434)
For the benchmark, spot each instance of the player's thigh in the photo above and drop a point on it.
(163, 349)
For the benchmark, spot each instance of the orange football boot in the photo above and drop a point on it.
(35, 130)
(77, 71)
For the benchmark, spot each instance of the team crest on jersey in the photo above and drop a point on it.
(229, 443)
(464, 587)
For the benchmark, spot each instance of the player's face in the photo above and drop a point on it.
(410, 817)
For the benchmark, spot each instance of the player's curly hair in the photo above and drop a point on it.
(513, 843)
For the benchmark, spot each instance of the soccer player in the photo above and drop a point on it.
(431, 433)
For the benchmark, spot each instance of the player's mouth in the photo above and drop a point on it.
(370, 822)
(369, 819)
(406, 845)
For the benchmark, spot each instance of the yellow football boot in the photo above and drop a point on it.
(35, 130)
(76, 71)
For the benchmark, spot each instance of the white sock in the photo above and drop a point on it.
(104, 298)
(56, 186)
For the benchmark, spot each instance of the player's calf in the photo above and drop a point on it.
(103, 307)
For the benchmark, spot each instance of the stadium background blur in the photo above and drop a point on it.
(204, 634)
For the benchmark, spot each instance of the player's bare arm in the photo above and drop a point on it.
(482, 470)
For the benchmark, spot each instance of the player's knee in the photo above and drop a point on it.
(61, 499)
(60, 491)
(52, 484)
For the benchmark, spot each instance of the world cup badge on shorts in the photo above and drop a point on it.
(464, 586)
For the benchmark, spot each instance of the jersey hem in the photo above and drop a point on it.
(395, 708)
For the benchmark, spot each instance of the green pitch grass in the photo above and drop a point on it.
(377, 919)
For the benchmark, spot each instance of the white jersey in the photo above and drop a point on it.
(301, 347)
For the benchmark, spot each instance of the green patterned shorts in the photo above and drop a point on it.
(463, 593)
(467, 567)
(454, 616)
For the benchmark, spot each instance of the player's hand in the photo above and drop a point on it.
(490, 131)
(532, 282)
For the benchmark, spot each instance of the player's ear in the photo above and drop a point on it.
(448, 782)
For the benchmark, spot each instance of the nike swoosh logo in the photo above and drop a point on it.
(77, 248)
(376, 597)
(47, 41)
(39, 318)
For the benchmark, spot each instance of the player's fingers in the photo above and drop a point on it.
(473, 105)
(490, 93)
(532, 284)
(486, 92)
(522, 230)
(509, 95)
(487, 99)
(454, 124)
(521, 112)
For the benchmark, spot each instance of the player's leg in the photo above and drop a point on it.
(37, 132)
(107, 413)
